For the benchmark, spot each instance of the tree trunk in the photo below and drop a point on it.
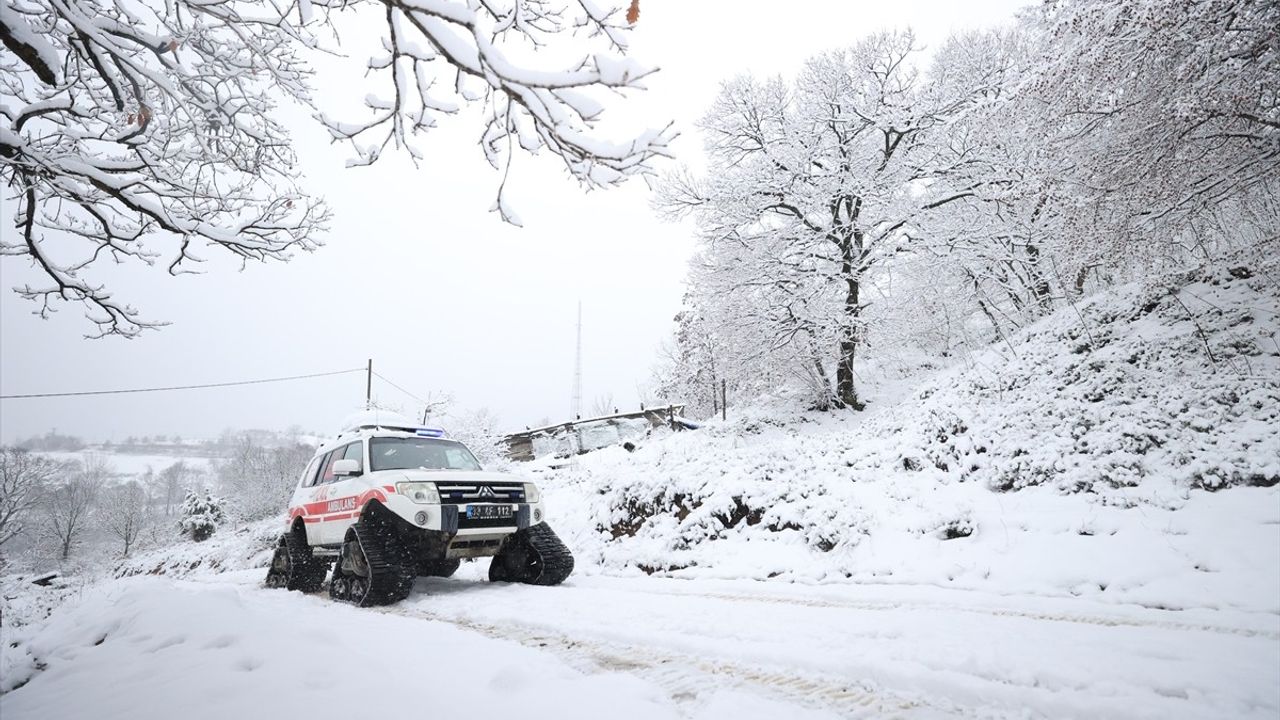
(1081, 277)
(1040, 289)
(846, 390)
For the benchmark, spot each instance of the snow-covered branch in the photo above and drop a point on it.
(131, 121)
(143, 131)
(440, 55)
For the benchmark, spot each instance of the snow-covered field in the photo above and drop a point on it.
(1084, 523)
(131, 466)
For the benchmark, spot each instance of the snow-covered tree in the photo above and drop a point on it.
(124, 513)
(479, 430)
(24, 478)
(70, 503)
(603, 405)
(873, 202)
(202, 513)
(170, 484)
(687, 369)
(811, 186)
(146, 132)
(1170, 111)
(259, 479)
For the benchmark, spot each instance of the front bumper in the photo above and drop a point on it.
(451, 518)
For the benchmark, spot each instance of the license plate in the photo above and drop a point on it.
(488, 512)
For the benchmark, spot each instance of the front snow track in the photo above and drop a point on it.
(534, 556)
(375, 567)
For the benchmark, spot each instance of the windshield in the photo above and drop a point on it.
(419, 454)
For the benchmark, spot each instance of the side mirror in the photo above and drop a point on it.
(346, 467)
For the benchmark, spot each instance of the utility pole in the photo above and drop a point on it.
(368, 386)
(575, 403)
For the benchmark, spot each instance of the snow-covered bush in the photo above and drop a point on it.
(201, 515)
(249, 546)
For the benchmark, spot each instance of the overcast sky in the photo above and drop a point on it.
(416, 274)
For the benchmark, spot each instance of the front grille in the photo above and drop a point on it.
(503, 492)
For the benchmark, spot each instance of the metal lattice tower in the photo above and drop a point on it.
(575, 403)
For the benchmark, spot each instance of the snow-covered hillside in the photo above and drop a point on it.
(230, 548)
(1126, 448)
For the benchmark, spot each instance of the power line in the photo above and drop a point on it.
(182, 387)
(383, 378)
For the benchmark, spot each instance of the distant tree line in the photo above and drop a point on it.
(52, 441)
(73, 513)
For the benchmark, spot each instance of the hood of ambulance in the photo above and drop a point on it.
(478, 477)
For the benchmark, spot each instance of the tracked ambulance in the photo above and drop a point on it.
(390, 500)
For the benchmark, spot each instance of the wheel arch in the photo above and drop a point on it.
(373, 508)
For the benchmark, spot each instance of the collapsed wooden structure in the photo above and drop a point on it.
(583, 435)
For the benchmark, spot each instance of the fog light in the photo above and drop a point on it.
(420, 518)
(537, 515)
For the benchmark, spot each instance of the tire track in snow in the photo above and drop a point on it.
(686, 677)
(889, 605)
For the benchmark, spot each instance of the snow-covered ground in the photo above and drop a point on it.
(221, 646)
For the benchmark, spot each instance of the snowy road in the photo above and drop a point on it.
(909, 651)
(648, 648)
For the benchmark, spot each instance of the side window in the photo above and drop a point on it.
(309, 476)
(355, 451)
(326, 474)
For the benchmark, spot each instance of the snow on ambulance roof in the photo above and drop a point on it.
(376, 418)
(385, 420)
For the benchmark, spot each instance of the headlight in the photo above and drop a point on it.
(531, 493)
(419, 492)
